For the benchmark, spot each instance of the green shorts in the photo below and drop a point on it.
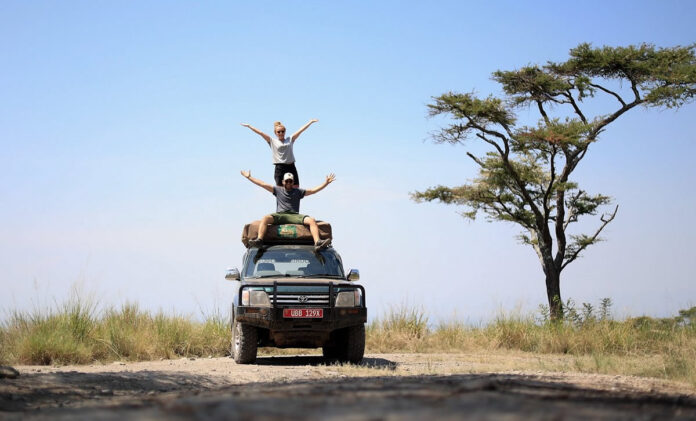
(288, 218)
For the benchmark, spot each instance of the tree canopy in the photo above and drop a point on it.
(525, 178)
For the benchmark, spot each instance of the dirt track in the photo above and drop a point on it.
(385, 386)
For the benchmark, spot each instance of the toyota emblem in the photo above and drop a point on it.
(302, 299)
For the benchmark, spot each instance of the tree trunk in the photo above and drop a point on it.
(552, 272)
(553, 292)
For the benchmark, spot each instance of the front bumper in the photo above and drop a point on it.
(272, 318)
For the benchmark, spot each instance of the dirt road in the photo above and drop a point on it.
(385, 386)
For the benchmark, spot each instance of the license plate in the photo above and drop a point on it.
(303, 313)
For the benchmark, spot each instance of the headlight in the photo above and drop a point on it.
(348, 298)
(255, 298)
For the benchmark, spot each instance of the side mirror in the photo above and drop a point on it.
(232, 274)
(353, 275)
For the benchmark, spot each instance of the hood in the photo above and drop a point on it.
(289, 280)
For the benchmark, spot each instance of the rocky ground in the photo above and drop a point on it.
(384, 386)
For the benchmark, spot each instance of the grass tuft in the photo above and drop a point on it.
(403, 329)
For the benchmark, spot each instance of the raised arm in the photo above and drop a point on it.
(329, 179)
(299, 132)
(247, 174)
(265, 137)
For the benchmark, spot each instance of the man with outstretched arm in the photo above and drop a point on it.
(288, 207)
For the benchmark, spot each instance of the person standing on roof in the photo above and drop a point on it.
(281, 147)
(288, 208)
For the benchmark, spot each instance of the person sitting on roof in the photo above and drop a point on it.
(288, 208)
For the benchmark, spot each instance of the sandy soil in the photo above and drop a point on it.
(384, 386)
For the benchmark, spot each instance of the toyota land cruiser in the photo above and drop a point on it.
(291, 296)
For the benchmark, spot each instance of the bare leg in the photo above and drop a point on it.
(263, 225)
(313, 228)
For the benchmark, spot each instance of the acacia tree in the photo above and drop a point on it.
(525, 178)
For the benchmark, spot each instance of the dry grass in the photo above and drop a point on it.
(663, 348)
(76, 333)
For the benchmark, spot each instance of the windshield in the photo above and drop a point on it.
(299, 262)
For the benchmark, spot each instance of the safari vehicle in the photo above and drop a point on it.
(290, 296)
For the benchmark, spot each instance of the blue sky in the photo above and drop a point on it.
(121, 149)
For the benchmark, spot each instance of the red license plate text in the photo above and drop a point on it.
(303, 313)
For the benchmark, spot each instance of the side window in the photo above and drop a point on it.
(249, 263)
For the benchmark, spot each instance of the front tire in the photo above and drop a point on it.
(245, 341)
(330, 352)
(352, 344)
(355, 348)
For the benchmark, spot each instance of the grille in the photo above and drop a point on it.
(293, 299)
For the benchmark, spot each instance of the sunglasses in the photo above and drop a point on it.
(280, 131)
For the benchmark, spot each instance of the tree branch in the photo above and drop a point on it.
(509, 212)
(580, 155)
(494, 133)
(592, 239)
(617, 114)
(572, 102)
(478, 161)
(572, 217)
(543, 112)
(560, 230)
(504, 154)
(547, 193)
(535, 244)
(602, 88)
(552, 98)
(634, 88)
(490, 142)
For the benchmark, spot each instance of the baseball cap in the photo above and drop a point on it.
(288, 176)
